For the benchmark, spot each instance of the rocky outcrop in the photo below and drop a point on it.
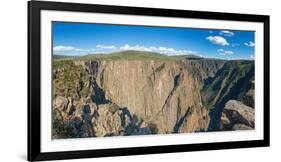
(237, 116)
(91, 120)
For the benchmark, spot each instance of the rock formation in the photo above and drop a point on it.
(237, 116)
(136, 97)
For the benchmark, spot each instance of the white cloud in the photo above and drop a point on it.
(106, 46)
(252, 57)
(225, 52)
(226, 33)
(136, 47)
(218, 40)
(68, 49)
(162, 50)
(249, 44)
(63, 48)
(228, 52)
(81, 50)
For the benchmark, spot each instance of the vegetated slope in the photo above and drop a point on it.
(143, 94)
(231, 82)
(64, 57)
(128, 55)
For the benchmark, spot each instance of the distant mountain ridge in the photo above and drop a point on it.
(63, 57)
(129, 55)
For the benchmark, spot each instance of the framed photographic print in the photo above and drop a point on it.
(115, 80)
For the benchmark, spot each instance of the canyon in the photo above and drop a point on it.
(146, 94)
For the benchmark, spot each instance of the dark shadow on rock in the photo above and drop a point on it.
(125, 112)
(153, 128)
(94, 68)
(86, 109)
(87, 120)
(209, 80)
(99, 95)
(182, 119)
(72, 110)
(177, 80)
(133, 126)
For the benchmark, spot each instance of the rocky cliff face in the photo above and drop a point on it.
(231, 82)
(134, 97)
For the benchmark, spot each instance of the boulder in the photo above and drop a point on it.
(60, 103)
(237, 116)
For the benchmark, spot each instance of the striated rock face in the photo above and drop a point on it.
(237, 116)
(231, 82)
(136, 97)
(166, 93)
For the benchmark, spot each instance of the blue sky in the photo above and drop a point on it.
(81, 39)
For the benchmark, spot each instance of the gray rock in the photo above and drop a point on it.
(237, 116)
(60, 103)
(249, 98)
(241, 127)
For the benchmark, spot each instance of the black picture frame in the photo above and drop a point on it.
(34, 80)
